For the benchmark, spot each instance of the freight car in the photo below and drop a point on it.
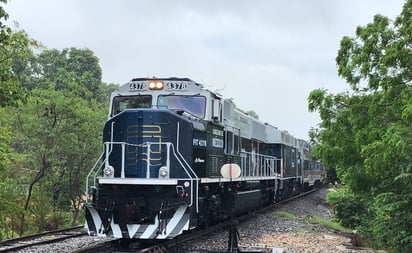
(165, 143)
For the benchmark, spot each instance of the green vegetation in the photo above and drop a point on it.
(365, 136)
(285, 215)
(14, 50)
(53, 105)
(325, 223)
(329, 224)
(349, 208)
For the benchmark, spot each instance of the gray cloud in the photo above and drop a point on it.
(267, 55)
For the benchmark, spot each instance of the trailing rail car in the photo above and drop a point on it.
(165, 143)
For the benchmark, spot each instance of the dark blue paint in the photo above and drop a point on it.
(130, 126)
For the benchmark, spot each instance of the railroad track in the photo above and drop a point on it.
(108, 246)
(136, 246)
(41, 238)
(173, 245)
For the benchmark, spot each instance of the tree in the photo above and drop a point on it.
(72, 69)
(365, 133)
(59, 135)
(15, 46)
(69, 98)
(10, 192)
(50, 130)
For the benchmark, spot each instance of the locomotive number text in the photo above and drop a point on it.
(176, 86)
(136, 86)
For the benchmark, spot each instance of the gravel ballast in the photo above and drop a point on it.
(271, 233)
(266, 232)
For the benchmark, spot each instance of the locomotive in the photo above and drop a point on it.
(165, 144)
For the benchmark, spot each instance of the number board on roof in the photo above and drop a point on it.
(137, 86)
(176, 85)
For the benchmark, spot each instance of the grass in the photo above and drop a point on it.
(325, 223)
(285, 215)
(329, 224)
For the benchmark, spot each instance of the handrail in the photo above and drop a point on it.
(254, 164)
(191, 178)
(89, 174)
(109, 148)
(195, 178)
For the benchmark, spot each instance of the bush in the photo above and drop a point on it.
(390, 226)
(348, 208)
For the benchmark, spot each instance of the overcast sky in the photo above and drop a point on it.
(266, 55)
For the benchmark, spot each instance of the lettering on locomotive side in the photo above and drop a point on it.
(217, 143)
(199, 160)
(197, 142)
(217, 132)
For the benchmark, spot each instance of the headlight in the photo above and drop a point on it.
(108, 171)
(164, 172)
(155, 85)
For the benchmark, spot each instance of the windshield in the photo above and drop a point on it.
(194, 105)
(129, 102)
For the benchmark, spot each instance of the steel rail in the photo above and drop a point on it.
(41, 238)
(164, 246)
(171, 245)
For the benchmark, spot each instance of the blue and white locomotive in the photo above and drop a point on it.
(165, 142)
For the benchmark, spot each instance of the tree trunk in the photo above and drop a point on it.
(77, 206)
(26, 205)
(39, 175)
